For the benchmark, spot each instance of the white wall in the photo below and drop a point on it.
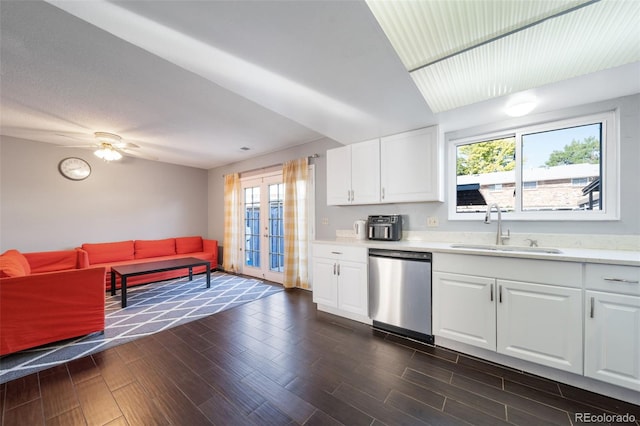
(132, 199)
(138, 199)
(415, 214)
(216, 178)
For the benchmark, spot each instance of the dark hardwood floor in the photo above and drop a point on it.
(277, 361)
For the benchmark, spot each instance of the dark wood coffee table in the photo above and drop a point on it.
(134, 269)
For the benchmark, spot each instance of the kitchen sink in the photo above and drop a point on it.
(506, 248)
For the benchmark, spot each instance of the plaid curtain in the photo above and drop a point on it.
(295, 175)
(231, 254)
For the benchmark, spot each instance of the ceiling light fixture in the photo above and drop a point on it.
(106, 151)
(520, 108)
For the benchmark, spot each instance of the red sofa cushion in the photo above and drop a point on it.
(109, 252)
(12, 264)
(51, 261)
(24, 262)
(188, 245)
(155, 248)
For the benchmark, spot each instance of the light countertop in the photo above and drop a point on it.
(582, 255)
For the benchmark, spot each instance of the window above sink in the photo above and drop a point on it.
(558, 170)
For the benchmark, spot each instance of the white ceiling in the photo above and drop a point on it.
(192, 82)
(491, 48)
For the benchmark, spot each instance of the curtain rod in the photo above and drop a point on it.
(266, 168)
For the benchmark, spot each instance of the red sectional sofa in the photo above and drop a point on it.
(138, 251)
(46, 297)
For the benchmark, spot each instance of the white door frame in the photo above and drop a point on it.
(263, 271)
(267, 178)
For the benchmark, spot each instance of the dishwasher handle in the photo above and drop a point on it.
(400, 254)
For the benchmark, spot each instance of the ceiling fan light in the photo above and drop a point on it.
(108, 154)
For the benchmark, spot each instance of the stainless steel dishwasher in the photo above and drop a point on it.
(400, 292)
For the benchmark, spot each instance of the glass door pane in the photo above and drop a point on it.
(276, 227)
(263, 223)
(252, 226)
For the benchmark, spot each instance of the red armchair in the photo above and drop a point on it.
(45, 298)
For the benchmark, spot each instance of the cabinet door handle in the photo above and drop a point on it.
(348, 195)
(621, 280)
(383, 193)
(338, 269)
(500, 293)
(592, 308)
(353, 195)
(491, 293)
(334, 269)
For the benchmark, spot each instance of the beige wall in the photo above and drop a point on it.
(133, 199)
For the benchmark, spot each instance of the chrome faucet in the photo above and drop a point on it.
(500, 237)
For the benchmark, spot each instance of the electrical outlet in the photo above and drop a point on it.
(325, 220)
(432, 221)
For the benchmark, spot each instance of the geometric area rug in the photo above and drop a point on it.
(150, 308)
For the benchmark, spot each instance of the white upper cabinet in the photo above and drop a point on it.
(411, 167)
(339, 176)
(353, 174)
(395, 169)
(365, 172)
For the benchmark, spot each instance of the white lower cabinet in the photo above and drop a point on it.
(612, 325)
(340, 284)
(464, 309)
(325, 282)
(612, 339)
(539, 322)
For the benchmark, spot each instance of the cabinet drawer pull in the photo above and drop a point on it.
(491, 293)
(621, 280)
(336, 252)
(500, 293)
(592, 307)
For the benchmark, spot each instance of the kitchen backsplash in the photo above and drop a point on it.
(604, 242)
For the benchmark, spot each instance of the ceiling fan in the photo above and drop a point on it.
(111, 147)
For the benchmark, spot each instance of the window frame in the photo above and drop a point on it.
(609, 174)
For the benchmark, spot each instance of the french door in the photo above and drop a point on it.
(263, 227)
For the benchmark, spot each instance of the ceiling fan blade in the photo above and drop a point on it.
(137, 154)
(125, 145)
(75, 136)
